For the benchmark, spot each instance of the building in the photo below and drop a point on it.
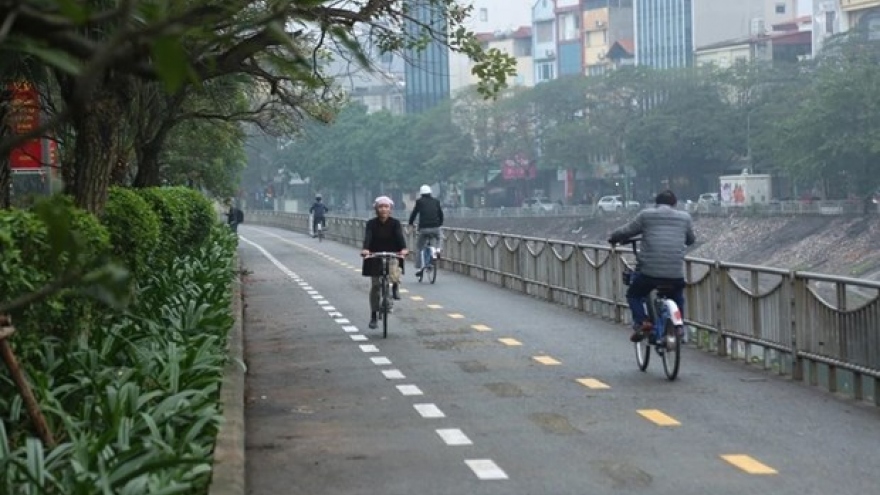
(516, 43)
(787, 42)
(426, 72)
(606, 23)
(544, 40)
(668, 31)
(663, 33)
(380, 86)
(569, 37)
(832, 17)
(487, 16)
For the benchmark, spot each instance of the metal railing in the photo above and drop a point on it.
(821, 329)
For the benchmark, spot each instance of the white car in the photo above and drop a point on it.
(615, 203)
(540, 204)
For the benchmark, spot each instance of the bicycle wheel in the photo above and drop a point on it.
(433, 273)
(643, 353)
(384, 309)
(672, 349)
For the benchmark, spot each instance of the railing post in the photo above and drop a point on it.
(615, 282)
(797, 304)
(720, 310)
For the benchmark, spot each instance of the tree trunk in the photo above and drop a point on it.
(5, 182)
(149, 173)
(96, 149)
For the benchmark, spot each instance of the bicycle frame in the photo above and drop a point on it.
(384, 292)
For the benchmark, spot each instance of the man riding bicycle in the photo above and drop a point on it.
(382, 233)
(665, 233)
(430, 215)
(318, 210)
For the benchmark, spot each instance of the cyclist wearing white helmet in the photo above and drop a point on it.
(382, 233)
(318, 210)
(430, 215)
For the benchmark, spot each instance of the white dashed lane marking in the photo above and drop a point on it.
(484, 469)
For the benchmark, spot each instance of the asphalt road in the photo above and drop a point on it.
(476, 391)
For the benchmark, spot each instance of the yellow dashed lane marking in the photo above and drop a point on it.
(455, 316)
(510, 341)
(592, 383)
(417, 298)
(749, 464)
(659, 417)
(481, 328)
(435, 306)
(549, 361)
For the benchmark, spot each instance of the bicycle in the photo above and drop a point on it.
(668, 329)
(319, 231)
(429, 261)
(385, 301)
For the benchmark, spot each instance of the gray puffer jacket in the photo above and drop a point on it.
(665, 234)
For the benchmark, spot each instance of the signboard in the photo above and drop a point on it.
(518, 167)
(24, 117)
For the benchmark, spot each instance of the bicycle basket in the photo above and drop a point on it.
(626, 275)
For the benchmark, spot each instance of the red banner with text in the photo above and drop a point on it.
(24, 116)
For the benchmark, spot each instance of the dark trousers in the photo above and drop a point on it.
(641, 285)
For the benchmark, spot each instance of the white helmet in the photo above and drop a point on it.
(425, 189)
(383, 200)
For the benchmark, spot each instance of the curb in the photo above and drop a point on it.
(228, 472)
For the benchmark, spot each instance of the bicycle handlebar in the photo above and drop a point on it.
(384, 254)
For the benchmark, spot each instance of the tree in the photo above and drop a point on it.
(98, 46)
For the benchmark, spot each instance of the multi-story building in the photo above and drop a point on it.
(544, 40)
(569, 37)
(668, 31)
(487, 16)
(516, 43)
(605, 23)
(839, 16)
(787, 42)
(427, 70)
(379, 86)
(664, 35)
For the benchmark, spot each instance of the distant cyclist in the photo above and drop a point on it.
(430, 215)
(665, 232)
(382, 233)
(318, 211)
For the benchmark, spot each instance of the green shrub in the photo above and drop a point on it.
(134, 229)
(136, 405)
(173, 217)
(200, 213)
(41, 246)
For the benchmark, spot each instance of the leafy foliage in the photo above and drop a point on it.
(136, 400)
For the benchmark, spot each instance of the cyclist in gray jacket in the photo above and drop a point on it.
(665, 233)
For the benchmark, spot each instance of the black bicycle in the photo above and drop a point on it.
(385, 301)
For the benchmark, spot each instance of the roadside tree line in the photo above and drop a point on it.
(814, 122)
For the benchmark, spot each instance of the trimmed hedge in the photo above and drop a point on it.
(134, 229)
(29, 261)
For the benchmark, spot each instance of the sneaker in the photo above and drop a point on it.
(641, 331)
(373, 323)
(418, 273)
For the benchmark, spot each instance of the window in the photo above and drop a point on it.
(568, 27)
(545, 72)
(780, 8)
(829, 22)
(544, 32)
(484, 14)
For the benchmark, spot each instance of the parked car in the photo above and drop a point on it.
(540, 204)
(708, 199)
(615, 203)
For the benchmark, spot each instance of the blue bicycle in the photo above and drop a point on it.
(429, 260)
(668, 328)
